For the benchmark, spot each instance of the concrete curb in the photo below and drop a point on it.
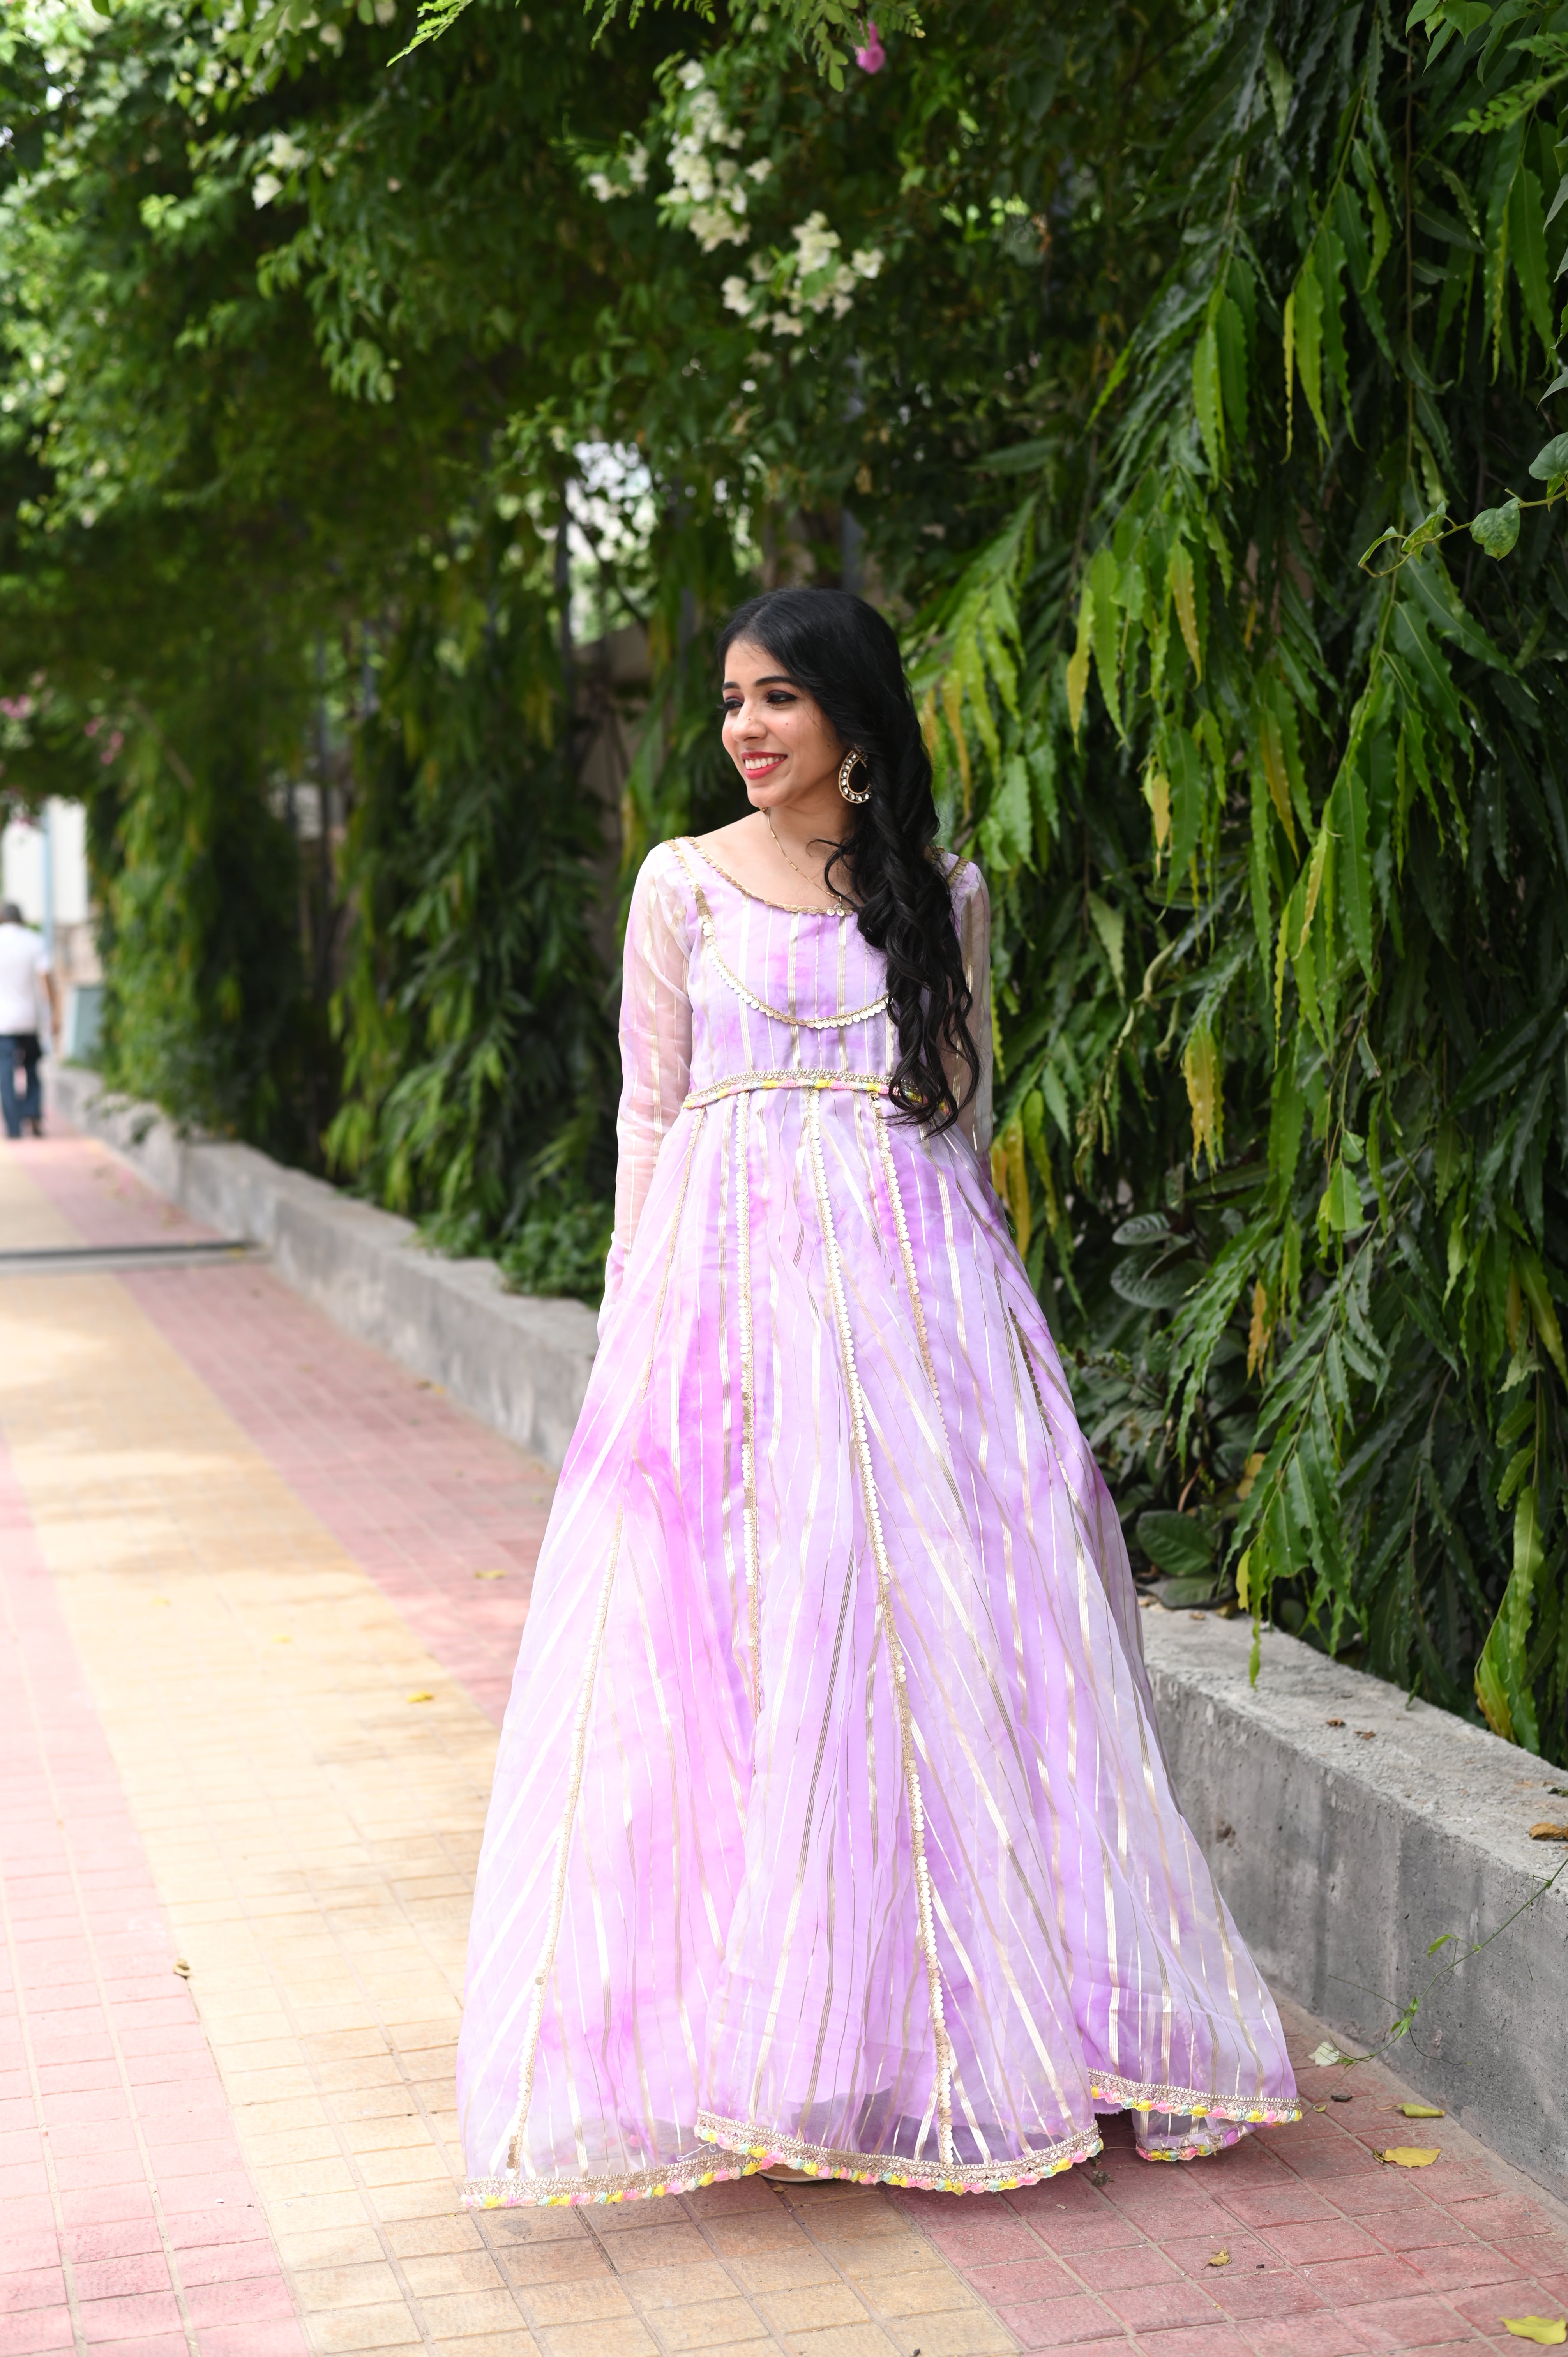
(521, 1365)
(1346, 1851)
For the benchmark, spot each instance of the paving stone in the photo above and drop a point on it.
(261, 2160)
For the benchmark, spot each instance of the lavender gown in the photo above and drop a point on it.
(830, 1823)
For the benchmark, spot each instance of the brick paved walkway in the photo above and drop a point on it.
(248, 1693)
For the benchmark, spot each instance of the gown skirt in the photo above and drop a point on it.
(831, 1824)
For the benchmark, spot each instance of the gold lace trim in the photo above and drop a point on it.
(764, 2145)
(781, 1077)
(748, 1392)
(743, 989)
(925, 1913)
(683, 2175)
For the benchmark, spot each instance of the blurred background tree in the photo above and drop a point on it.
(1181, 381)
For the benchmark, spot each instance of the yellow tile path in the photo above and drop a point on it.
(313, 1830)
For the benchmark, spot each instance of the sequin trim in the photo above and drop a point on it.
(925, 1912)
(781, 1077)
(765, 2147)
(685, 2175)
(1190, 2103)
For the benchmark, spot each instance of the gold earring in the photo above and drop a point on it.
(845, 789)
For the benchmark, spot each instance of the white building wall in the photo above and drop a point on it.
(47, 879)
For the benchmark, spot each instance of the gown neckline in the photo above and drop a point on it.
(785, 908)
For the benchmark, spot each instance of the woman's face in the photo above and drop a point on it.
(779, 737)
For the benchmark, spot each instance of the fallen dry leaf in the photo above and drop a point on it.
(1423, 2111)
(1219, 2258)
(1549, 2331)
(1365, 1734)
(422, 1697)
(1326, 2054)
(182, 1968)
(1335, 1722)
(1411, 2156)
(490, 1575)
(1320, 2108)
(1549, 1833)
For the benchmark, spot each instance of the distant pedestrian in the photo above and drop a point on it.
(25, 980)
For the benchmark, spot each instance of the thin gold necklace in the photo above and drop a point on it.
(842, 897)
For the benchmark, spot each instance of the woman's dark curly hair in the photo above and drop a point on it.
(846, 656)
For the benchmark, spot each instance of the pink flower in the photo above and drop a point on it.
(873, 57)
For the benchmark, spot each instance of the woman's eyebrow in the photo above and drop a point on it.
(768, 679)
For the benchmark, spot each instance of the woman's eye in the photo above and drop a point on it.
(780, 695)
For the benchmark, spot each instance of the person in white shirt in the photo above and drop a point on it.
(25, 979)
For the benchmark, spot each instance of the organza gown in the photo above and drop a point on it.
(830, 1823)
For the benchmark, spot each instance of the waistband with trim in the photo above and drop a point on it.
(737, 1084)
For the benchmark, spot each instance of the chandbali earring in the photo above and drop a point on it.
(845, 789)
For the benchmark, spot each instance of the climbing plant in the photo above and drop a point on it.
(1265, 749)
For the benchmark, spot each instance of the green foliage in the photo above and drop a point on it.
(1184, 384)
(1319, 802)
(479, 1057)
(203, 1011)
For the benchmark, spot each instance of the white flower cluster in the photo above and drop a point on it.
(709, 197)
(283, 156)
(809, 279)
(634, 164)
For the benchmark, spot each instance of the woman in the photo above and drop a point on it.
(831, 1829)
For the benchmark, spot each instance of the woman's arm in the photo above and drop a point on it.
(972, 914)
(655, 1051)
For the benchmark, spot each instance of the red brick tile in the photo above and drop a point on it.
(31, 2335)
(228, 2262)
(1402, 2324)
(1351, 2283)
(1321, 2238)
(1485, 2306)
(109, 2279)
(1063, 2324)
(1454, 2265)
(30, 2288)
(133, 2316)
(1254, 2292)
(1156, 2307)
(1085, 2231)
(267, 2300)
(117, 2239)
(1305, 2336)
(20, 2252)
(1284, 2205)
(1496, 2216)
(1015, 2280)
(1246, 2251)
(1195, 2340)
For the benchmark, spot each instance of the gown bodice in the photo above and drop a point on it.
(728, 992)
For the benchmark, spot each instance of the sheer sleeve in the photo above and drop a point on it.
(972, 914)
(655, 1050)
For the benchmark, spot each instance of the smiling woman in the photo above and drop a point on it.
(830, 1830)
